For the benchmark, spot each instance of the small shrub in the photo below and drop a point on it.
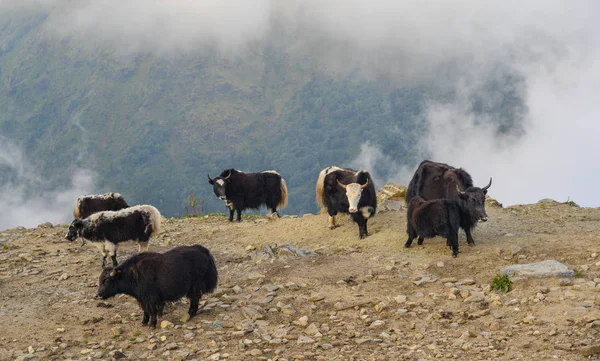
(501, 283)
(5, 247)
(578, 274)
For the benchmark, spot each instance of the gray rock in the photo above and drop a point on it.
(548, 268)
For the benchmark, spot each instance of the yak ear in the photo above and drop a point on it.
(485, 191)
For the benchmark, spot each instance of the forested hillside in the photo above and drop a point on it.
(152, 127)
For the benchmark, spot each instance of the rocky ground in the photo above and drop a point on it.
(291, 289)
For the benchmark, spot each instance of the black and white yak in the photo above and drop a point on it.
(90, 204)
(347, 191)
(443, 217)
(154, 279)
(242, 191)
(107, 229)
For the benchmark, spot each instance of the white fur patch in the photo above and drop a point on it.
(365, 212)
(332, 169)
(220, 182)
(270, 171)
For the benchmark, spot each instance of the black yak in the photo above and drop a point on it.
(242, 191)
(433, 180)
(90, 204)
(109, 228)
(443, 217)
(347, 191)
(156, 278)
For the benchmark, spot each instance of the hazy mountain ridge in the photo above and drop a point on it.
(151, 127)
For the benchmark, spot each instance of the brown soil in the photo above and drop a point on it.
(47, 288)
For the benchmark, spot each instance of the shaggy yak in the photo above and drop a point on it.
(443, 217)
(242, 191)
(109, 228)
(343, 190)
(90, 204)
(154, 279)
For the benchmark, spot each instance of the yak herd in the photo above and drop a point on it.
(440, 198)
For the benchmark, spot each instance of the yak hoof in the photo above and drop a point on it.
(454, 254)
(363, 236)
(407, 245)
(471, 244)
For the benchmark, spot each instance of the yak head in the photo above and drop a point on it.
(114, 281)
(353, 193)
(74, 229)
(473, 201)
(219, 185)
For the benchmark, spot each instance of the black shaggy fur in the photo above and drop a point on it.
(156, 278)
(137, 223)
(335, 200)
(443, 217)
(90, 204)
(433, 180)
(243, 191)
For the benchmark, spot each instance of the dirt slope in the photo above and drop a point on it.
(47, 288)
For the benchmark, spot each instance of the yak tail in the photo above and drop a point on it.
(155, 219)
(284, 195)
(209, 283)
(320, 187)
(77, 209)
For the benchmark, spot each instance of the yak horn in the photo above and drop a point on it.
(113, 273)
(341, 185)
(209, 178)
(228, 175)
(366, 184)
(458, 189)
(489, 184)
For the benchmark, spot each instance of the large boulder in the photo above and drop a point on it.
(391, 197)
(548, 268)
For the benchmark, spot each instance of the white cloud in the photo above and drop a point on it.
(25, 196)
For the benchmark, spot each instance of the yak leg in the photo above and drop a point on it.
(362, 224)
(194, 296)
(331, 222)
(453, 241)
(111, 249)
(420, 240)
(153, 317)
(470, 240)
(101, 247)
(146, 317)
(231, 212)
(412, 234)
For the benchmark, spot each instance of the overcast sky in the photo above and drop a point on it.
(553, 45)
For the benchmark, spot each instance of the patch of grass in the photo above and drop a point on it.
(324, 339)
(5, 247)
(578, 274)
(501, 283)
(132, 339)
(136, 334)
(85, 341)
